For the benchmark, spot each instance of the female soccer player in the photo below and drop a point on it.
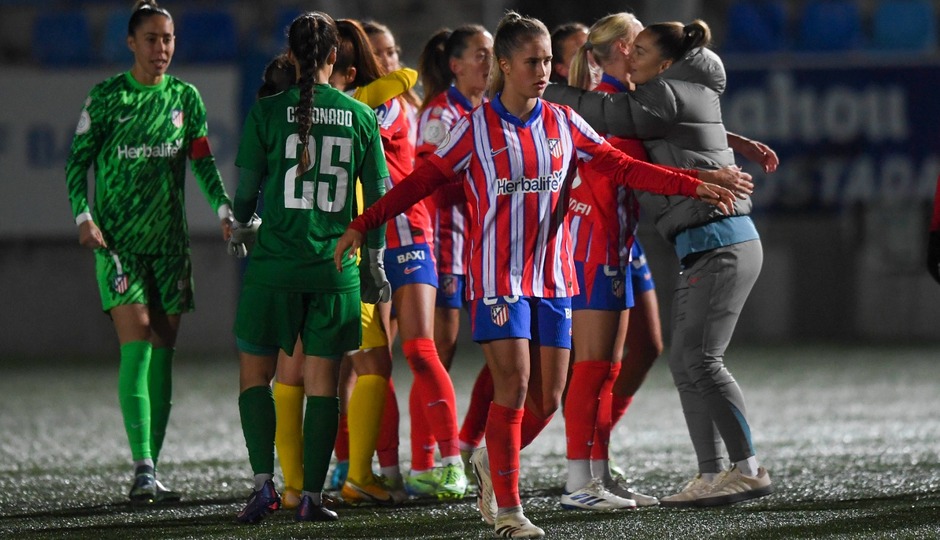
(720, 256)
(137, 129)
(373, 360)
(454, 67)
(515, 158)
(308, 144)
(566, 40)
(413, 277)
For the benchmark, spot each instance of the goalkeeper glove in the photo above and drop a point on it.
(243, 236)
(933, 255)
(373, 285)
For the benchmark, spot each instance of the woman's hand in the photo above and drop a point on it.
(89, 235)
(716, 195)
(346, 246)
(730, 177)
(759, 153)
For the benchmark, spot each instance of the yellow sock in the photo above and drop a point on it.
(289, 436)
(364, 419)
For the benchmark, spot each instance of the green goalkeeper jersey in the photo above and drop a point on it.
(305, 215)
(137, 138)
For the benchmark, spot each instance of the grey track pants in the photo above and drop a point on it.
(708, 299)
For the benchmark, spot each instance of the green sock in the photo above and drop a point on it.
(321, 422)
(134, 396)
(256, 407)
(161, 394)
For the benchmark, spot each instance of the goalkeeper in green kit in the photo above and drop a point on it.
(137, 130)
(309, 145)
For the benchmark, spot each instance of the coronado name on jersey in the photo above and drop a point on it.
(321, 115)
(146, 151)
(542, 184)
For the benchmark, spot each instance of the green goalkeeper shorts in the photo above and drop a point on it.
(327, 322)
(162, 282)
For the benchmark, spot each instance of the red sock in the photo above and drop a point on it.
(386, 446)
(604, 423)
(618, 407)
(532, 425)
(474, 424)
(503, 442)
(437, 393)
(422, 442)
(581, 403)
(341, 446)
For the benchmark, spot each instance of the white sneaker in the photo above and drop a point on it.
(516, 525)
(732, 486)
(694, 490)
(486, 499)
(618, 486)
(594, 496)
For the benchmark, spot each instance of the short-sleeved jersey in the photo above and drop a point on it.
(449, 222)
(517, 182)
(305, 215)
(604, 215)
(137, 138)
(414, 225)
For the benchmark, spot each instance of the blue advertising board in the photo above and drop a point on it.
(846, 133)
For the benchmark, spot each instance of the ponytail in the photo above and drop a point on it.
(513, 32)
(579, 72)
(675, 40)
(434, 62)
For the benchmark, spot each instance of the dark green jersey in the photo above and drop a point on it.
(305, 215)
(138, 138)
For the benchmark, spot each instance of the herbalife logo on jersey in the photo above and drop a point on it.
(167, 149)
(552, 182)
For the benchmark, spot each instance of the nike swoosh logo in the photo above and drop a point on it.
(507, 473)
(494, 153)
(412, 269)
(123, 119)
(433, 403)
(138, 424)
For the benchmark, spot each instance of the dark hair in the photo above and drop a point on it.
(559, 35)
(311, 38)
(143, 10)
(355, 50)
(513, 32)
(278, 76)
(434, 62)
(374, 28)
(675, 40)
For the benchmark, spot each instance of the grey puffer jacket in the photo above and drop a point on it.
(678, 116)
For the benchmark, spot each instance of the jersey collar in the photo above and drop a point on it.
(497, 105)
(455, 95)
(609, 79)
(143, 87)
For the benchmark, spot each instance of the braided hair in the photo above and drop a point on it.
(311, 38)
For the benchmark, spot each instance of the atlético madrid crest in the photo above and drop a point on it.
(120, 283)
(177, 117)
(554, 146)
(449, 285)
(499, 314)
(617, 288)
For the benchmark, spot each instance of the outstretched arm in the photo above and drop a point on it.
(754, 151)
(387, 87)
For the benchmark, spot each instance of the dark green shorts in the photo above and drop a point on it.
(327, 322)
(162, 282)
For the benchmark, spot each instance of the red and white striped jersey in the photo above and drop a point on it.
(414, 225)
(604, 215)
(517, 181)
(449, 221)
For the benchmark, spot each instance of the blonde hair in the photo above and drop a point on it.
(601, 38)
(513, 32)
